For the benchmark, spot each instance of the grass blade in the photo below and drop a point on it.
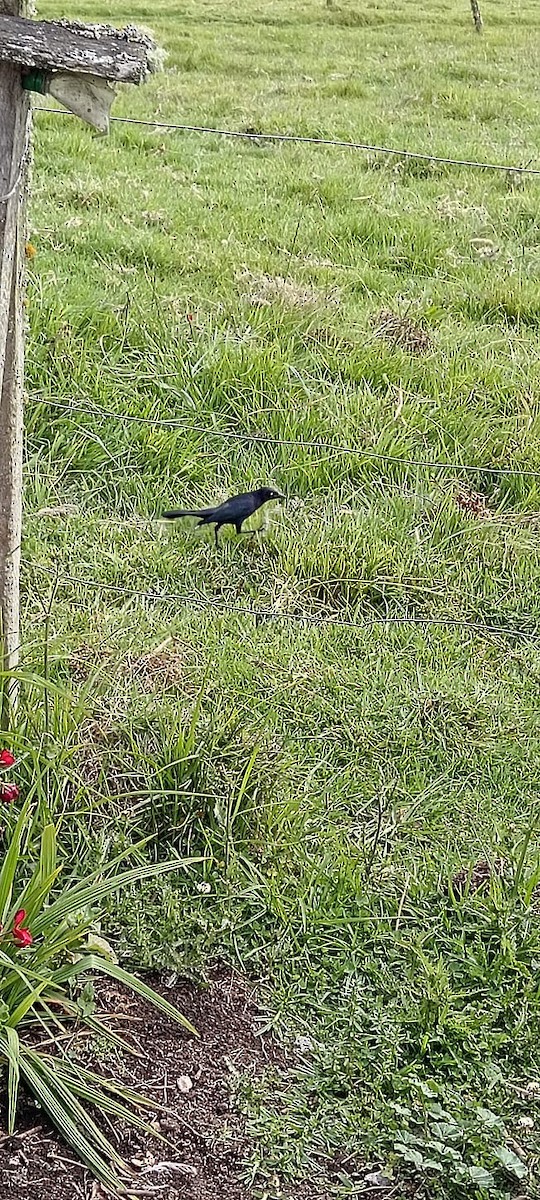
(89, 1087)
(68, 1115)
(128, 1095)
(29, 1000)
(10, 1048)
(34, 894)
(92, 963)
(9, 866)
(77, 898)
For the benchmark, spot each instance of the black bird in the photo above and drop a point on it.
(232, 512)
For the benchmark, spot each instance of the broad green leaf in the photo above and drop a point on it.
(481, 1177)
(510, 1161)
(409, 1154)
(422, 1086)
(446, 1130)
(96, 944)
(490, 1118)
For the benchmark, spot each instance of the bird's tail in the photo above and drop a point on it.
(179, 512)
(185, 512)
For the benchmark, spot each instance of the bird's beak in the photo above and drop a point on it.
(280, 496)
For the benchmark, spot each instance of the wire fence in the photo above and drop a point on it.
(291, 443)
(300, 139)
(220, 607)
(260, 614)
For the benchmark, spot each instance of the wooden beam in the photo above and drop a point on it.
(14, 150)
(124, 56)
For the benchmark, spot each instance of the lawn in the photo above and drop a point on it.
(335, 777)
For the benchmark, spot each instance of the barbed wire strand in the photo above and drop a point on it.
(312, 141)
(270, 439)
(222, 607)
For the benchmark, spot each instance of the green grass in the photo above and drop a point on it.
(335, 778)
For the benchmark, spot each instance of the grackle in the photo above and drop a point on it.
(233, 512)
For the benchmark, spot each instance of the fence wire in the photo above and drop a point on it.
(301, 139)
(261, 614)
(269, 439)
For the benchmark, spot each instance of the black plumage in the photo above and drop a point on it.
(232, 512)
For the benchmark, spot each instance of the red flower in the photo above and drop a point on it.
(6, 758)
(21, 936)
(9, 792)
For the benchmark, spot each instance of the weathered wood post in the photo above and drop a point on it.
(14, 149)
(477, 16)
(77, 64)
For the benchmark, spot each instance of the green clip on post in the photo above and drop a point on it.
(88, 96)
(35, 81)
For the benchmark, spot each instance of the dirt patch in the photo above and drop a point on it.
(473, 503)
(329, 340)
(265, 290)
(193, 1078)
(401, 332)
(477, 876)
(158, 668)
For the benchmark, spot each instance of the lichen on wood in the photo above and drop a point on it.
(121, 55)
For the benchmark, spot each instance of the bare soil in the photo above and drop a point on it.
(207, 1131)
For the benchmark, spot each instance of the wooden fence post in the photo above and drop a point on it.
(78, 64)
(14, 152)
(477, 16)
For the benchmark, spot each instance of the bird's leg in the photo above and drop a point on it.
(216, 531)
(245, 532)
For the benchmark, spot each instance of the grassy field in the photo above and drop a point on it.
(335, 778)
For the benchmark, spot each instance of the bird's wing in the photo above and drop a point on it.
(238, 507)
(227, 509)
